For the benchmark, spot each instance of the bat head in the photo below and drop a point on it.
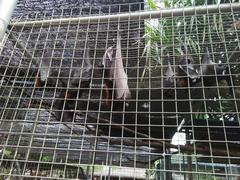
(187, 71)
(186, 67)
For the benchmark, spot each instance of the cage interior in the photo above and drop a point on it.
(63, 114)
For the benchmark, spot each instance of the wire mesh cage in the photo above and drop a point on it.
(118, 92)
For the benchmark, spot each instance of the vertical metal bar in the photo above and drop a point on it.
(109, 167)
(211, 42)
(227, 172)
(6, 10)
(184, 168)
(189, 158)
(168, 172)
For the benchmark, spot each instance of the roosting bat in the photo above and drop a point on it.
(114, 74)
(66, 102)
(207, 72)
(72, 88)
(187, 73)
(161, 116)
(157, 117)
(179, 78)
(211, 72)
(50, 76)
(168, 80)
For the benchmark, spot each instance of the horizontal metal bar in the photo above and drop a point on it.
(163, 13)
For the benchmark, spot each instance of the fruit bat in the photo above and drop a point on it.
(187, 73)
(50, 76)
(108, 83)
(72, 88)
(207, 72)
(211, 72)
(115, 77)
(168, 75)
(152, 112)
(66, 102)
(168, 80)
(119, 75)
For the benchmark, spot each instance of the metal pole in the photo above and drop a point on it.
(168, 173)
(188, 11)
(6, 10)
(189, 157)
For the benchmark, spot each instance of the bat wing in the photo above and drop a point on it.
(207, 65)
(168, 81)
(87, 66)
(168, 75)
(108, 58)
(115, 71)
(190, 71)
(119, 75)
(44, 71)
(80, 74)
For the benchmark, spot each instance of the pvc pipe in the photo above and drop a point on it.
(6, 10)
(188, 11)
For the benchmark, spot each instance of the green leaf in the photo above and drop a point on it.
(7, 153)
(152, 4)
(46, 158)
(204, 29)
(166, 3)
(191, 24)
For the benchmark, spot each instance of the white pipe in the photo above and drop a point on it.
(6, 10)
(188, 11)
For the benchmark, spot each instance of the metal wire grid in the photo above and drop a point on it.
(34, 143)
(69, 9)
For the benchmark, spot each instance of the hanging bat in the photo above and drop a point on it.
(207, 72)
(119, 75)
(66, 102)
(187, 73)
(108, 82)
(169, 80)
(212, 72)
(153, 113)
(114, 74)
(72, 88)
(169, 75)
